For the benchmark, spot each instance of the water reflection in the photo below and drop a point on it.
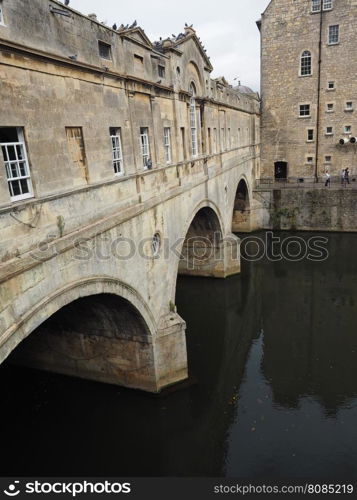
(272, 357)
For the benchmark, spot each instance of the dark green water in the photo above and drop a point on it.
(273, 353)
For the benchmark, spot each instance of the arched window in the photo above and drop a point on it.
(193, 120)
(305, 66)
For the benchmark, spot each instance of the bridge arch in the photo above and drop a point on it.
(241, 217)
(206, 249)
(117, 347)
(43, 310)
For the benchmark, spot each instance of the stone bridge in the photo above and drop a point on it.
(101, 299)
(122, 164)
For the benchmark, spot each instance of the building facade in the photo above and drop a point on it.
(118, 155)
(309, 93)
(86, 105)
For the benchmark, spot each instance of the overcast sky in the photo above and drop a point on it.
(226, 27)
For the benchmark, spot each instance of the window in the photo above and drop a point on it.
(18, 177)
(145, 150)
(327, 4)
(161, 70)
(304, 110)
(193, 120)
(138, 59)
(349, 106)
(183, 141)
(329, 130)
(309, 160)
(105, 51)
(310, 134)
(348, 129)
(333, 34)
(328, 159)
(329, 107)
(1, 13)
(331, 85)
(305, 63)
(316, 5)
(167, 144)
(117, 155)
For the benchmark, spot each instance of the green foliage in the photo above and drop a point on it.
(61, 225)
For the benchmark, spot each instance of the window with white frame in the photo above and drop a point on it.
(310, 134)
(349, 106)
(328, 159)
(117, 152)
(309, 160)
(305, 63)
(145, 149)
(193, 120)
(329, 130)
(1, 13)
(316, 5)
(333, 34)
(329, 107)
(347, 129)
(330, 85)
(167, 144)
(304, 110)
(327, 4)
(18, 176)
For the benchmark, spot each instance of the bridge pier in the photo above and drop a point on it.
(110, 345)
(241, 221)
(216, 259)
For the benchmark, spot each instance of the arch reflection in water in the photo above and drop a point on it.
(272, 356)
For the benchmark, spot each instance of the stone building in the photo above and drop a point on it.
(116, 154)
(309, 93)
(83, 104)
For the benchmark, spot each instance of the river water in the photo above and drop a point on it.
(272, 394)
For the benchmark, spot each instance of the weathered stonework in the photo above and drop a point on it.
(309, 209)
(288, 28)
(88, 232)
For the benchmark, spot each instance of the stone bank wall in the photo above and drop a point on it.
(315, 209)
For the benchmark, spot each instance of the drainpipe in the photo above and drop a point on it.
(318, 97)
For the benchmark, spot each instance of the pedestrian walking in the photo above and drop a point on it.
(347, 176)
(328, 179)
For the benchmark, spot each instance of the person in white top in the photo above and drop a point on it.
(328, 179)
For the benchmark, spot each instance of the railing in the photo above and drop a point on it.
(301, 182)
